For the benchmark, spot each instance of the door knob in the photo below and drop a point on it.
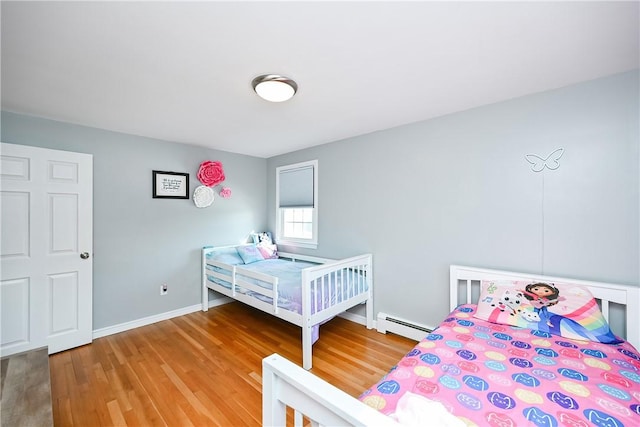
(84, 255)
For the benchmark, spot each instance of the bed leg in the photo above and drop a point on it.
(369, 313)
(204, 294)
(307, 344)
(205, 298)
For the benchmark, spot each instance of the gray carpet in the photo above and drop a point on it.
(25, 397)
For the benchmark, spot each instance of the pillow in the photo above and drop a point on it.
(249, 254)
(557, 308)
(227, 255)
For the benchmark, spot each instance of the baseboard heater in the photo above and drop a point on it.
(388, 323)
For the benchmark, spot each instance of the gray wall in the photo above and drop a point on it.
(141, 242)
(458, 190)
(455, 189)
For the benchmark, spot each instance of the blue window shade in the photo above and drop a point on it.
(296, 187)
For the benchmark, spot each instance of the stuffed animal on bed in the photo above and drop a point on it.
(265, 246)
(264, 238)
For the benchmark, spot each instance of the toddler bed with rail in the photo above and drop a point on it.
(303, 290)
(516, 350)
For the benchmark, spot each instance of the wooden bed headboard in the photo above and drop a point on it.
(465, 286)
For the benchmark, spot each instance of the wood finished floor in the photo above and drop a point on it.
(204, 369)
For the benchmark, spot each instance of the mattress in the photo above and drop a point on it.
(497, 375)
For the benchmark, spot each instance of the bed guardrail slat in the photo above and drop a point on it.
(233, 281)
(356, 278)
(346, 276)
(331, 289)
(604, 308)
(366, 273)
(321, 303)
(275, 296)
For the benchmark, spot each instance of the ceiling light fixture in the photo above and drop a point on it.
(274, 88)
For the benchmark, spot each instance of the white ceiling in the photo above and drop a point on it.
(182, 71)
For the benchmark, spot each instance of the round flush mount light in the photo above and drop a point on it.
(274, 88)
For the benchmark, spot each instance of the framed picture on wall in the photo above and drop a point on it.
(170, 185)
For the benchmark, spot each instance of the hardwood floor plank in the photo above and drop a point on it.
(204, 369)
(116, 415)
(62, 411)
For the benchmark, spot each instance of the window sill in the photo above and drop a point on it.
(297, 244)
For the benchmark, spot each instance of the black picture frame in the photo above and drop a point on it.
(170, 185)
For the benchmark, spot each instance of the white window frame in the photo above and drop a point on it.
(290, 241)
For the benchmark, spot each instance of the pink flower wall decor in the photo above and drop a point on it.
(225, 192)
(211, 173)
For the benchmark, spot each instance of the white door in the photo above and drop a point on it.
(46, 249)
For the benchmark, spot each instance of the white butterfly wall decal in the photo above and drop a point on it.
(550, 162)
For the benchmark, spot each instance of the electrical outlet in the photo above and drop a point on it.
(164, 289)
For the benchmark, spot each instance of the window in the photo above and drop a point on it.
(297, 204)
(298, 223)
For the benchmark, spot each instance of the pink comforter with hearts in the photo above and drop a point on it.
(496, 375)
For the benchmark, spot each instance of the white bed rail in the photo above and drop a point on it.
(285, 384)
(322, 299)
(353, 274)
(352, 271)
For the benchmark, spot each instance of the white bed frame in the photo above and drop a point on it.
(355, 270)
(284, 384)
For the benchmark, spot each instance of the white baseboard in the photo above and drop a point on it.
(356, 318)
(110, 330)
(403, 327)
